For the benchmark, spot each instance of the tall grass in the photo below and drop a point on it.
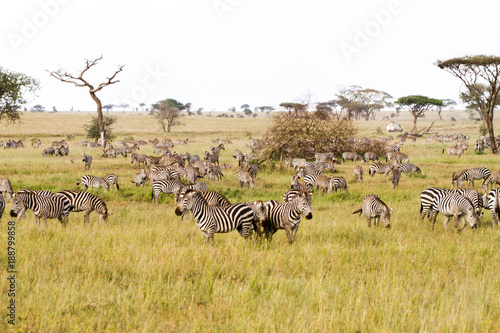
(146, 270)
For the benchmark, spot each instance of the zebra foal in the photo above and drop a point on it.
(374, 208)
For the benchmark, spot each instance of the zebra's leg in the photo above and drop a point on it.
(288, 233)
(294, 231)
(445, 223)
(86, 218)
(369, 221)
(464, 222)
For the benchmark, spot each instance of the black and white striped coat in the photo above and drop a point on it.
(287, 216)
(470, 175)
(166, 186)
(338, 183)
(44, 204)
(138, 159)
(395, 177)
(323, 157)
(369, 156)
(380, 168)
(493, 202)
(352, 156)
(2, 205)
(454, 151)
(245, 178)
(211, 220)
(397, 157)
(86, 202)
(493, 178)
(87, 160)
(456, 206)
(93, 182)
(112, 180)
(432, 195)
(374, 208)
(408, 167)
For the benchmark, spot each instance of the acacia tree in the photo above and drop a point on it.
(166, 112)
(418, 105)
(79, 81)
(481, 76)
(13, 89)
(362, 102)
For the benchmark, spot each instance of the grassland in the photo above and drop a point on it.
(146, 270)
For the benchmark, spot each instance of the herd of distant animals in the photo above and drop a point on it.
(176, 174)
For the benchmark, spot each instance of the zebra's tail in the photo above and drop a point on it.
(77, 183)
(358, 211)
(117, 187)
(152, 193)
(443, 151)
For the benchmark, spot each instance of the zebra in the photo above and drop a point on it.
(181, 142)
(380, 168)
(49, 151)
(131, 150)
(46, 206)
(210, 219)
(277, 215)
(295, 184)
(455, 176)
(297, 163)
(395, 147)
(408, 167)
(338, 183)
(323, 157)
(167, 173)
(189, 173)
(352, 156)
(36, 144)
(153, 160)
(2, 205)
(166, 186)
(112, 180)
(369, 156)
(358, 171)
(87, 159)
(323, 182)
(395, 177)
(213, 198)
(374, 208)
(93, 182)
(191, 159)
(140, 178)
(493, 178)
(320, 166)
(59, 143)
(454, 151)
(398, 157)
(215, 171)
(458, 206)
(430, 196)
(292, 194)
(245, 177)
(63, 151)
(217, 150)
(493, 199)
(212, 158)
(473, 174)
(86, 202)
(6, 188)
(138, 159)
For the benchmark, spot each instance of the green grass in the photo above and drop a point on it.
(146, 270)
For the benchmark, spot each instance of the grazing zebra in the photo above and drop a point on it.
(212, 158)
(374, 208)
(153, 160)
(214, 171)
(246, 178)
(140, 178)
(493, 178)
(358, 172)
(338, 183)
(112, 180)
(36, 144)
(2, 205)
(287, 216)
(189, 173)
(458, 206)
(295, 184)
(323, 157)
(63, 151)
(87, 159)
(131, 150)
(454, 151)
(86, 202)
(210, 219)
(49, 151)
(369, 156)
(408, 167)
(298, 163)
(320, 166)
(352, 156)
(494, 205)
(304, 171)
(93, 182)
(138, 159)
(46, 206)
(455, 176)
(292, 194)
(395, 177)
(6, 188)
(430, 196)
(395, 147)
(380, 168)
(470, 175)
(323, 182)
(166, 186)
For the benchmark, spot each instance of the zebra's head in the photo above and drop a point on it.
(472, 218)
(17, 207)
(385, 217)
(304, 204)
(186, 202)
(260, 210)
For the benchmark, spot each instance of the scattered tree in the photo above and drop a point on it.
(38, 108)
(79, 81)
(13, 89)
(418, 105)
(142, 105)
(166, 112)
(476, 72)
(108, 107)
(359, 102)
(247, 111)
(93, 129)
(232, 109)
(244, 106)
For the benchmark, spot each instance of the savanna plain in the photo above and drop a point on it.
(147, 270)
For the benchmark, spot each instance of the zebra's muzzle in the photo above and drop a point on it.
(309, 216)
(13, 213)
(178, 211)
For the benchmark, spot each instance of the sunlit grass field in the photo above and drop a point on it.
(146, 270)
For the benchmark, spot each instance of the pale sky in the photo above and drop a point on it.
(218, 54)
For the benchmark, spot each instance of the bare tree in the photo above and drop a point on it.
(166, 113)
(79, 81)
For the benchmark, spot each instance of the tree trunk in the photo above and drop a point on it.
(489, 124)
(100, 119)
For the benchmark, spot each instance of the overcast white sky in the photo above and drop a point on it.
(218, 54)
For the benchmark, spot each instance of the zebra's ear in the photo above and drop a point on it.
(390, 210)
(109, 214)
